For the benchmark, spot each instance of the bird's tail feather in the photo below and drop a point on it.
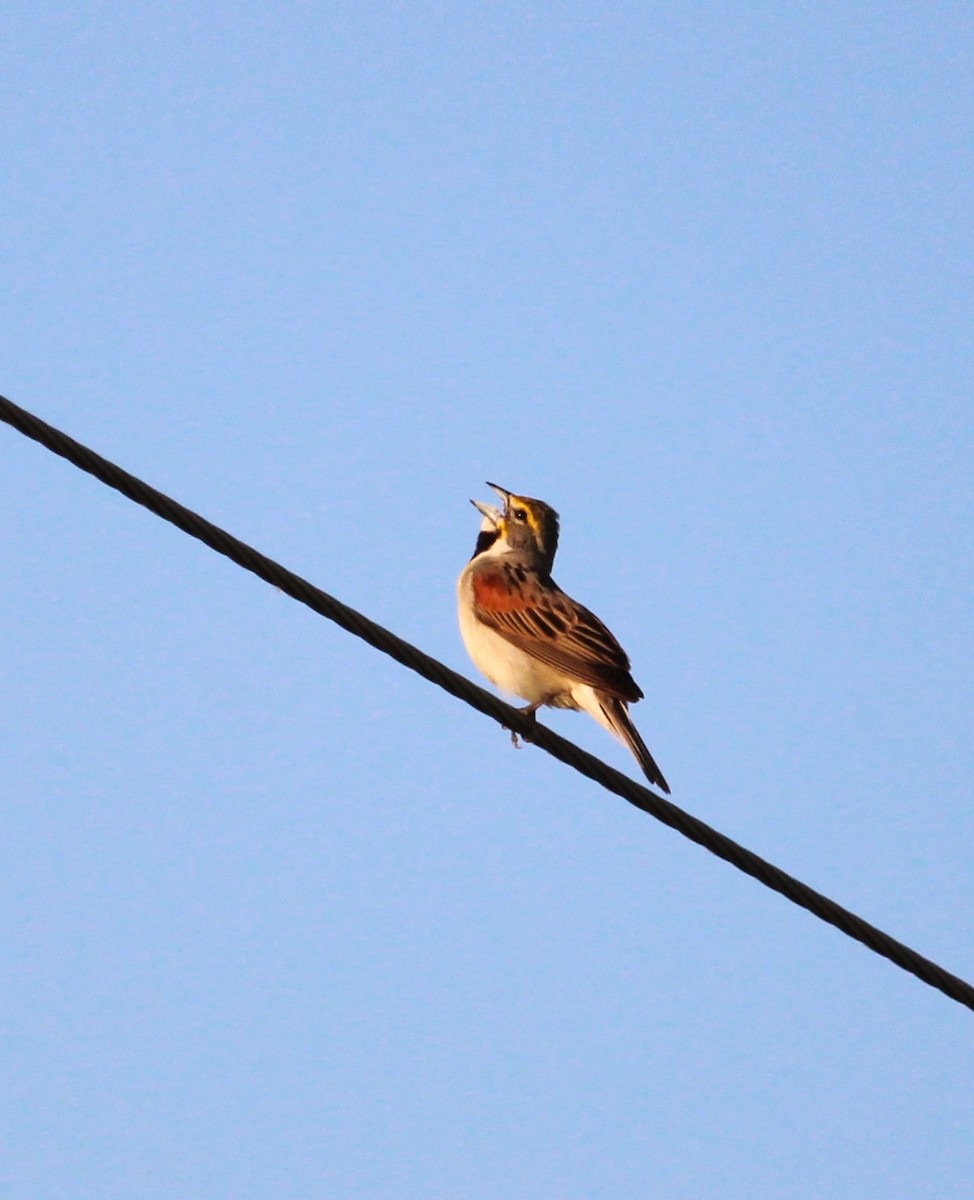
(618, 720)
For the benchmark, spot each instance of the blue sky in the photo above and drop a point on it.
(280, 918)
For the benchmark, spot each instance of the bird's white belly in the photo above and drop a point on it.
(508, 668)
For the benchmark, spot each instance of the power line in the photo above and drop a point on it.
(510, 718)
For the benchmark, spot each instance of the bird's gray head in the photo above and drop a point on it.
(525, 526)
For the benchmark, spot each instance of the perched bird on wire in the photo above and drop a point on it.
(531, 639)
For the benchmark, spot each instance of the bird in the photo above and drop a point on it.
(531, 639)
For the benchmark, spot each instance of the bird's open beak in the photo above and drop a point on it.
(502, 492)
(491, 513)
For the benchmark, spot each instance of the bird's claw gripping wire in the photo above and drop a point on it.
(529, 711)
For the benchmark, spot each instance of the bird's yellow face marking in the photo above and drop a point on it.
(522, 511)
(525, 522)
(533, 520)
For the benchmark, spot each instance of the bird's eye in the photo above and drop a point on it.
(520, 514)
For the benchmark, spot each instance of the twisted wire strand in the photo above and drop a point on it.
(504, 714)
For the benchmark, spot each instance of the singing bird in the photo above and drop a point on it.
(533, 640)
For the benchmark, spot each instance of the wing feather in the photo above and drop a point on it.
(539, 618)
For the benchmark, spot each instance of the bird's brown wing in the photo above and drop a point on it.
(536, 616)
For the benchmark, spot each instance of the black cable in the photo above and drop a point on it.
(510, 718)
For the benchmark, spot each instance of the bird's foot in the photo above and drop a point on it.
(529, 711)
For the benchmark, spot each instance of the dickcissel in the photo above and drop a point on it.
(531, 639)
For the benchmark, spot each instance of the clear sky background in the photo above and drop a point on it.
(279, 918)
